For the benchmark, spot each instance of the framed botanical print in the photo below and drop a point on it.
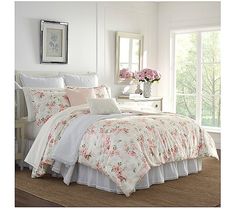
(54, 42)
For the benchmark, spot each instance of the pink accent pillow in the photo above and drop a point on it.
(80, 96)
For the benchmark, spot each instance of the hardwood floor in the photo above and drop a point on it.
(24, 199)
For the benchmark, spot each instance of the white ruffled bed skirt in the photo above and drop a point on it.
(93, 178)
(157, 175)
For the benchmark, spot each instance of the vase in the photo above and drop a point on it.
(147, 89)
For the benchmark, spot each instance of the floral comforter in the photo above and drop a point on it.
(124, 148)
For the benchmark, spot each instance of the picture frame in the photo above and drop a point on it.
(53, 42)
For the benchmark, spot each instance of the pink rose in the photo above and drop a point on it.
(148, 75)
(125, 73)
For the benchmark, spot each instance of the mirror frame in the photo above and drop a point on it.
(127, 35)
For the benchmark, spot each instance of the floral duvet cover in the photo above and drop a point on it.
(124, 148)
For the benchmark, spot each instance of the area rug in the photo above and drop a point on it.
(201, 189)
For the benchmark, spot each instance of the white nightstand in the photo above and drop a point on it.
(20, 139)
(143, 103)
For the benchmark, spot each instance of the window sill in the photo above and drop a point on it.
(212, 129)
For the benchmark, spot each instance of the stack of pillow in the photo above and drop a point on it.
(46, 96)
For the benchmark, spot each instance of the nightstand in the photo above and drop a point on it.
(143, 103)
(20, 139)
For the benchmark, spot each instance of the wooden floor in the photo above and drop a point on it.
(24, 199)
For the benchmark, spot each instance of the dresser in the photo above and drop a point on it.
(143, 103)
(20, 140)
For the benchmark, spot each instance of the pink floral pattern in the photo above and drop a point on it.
(148, 75)
(124, 149)
(125, 73)
(47, 103)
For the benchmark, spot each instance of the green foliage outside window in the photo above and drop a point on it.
(186, 64)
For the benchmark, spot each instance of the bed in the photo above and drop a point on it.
(112, 147)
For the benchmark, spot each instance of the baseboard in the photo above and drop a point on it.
(216, 137)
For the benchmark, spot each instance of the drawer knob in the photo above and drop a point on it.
(156, 105)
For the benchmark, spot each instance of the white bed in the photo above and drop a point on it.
(84, 174)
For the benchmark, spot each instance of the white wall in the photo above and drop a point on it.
(134, 17)
(176, 16)
(81, 17)
(92, 28)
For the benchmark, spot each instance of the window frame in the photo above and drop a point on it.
(199, 72)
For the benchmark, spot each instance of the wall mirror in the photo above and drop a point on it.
(129, 51)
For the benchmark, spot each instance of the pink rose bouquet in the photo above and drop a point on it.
(148, 75)
(125, 73)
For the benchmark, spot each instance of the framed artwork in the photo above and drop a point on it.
(54, 42)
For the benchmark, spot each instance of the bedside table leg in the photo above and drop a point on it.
(20, 139)
(22, 150)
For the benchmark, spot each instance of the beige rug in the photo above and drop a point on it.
(202, 189)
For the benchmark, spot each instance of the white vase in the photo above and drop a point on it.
(147, 89)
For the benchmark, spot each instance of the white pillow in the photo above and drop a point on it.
(30, 104)
(90, 80)
(103, 106)
(41, 82)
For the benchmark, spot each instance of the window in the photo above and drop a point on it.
(197, 76)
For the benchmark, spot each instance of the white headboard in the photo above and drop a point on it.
(46, 74)
(22, 104)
